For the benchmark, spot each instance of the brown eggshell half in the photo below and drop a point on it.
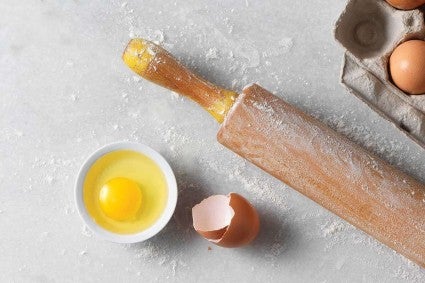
(212, 216)
(227, 221)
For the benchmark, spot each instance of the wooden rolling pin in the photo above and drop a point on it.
(302, 152)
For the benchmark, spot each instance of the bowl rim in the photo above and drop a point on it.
(166, 214)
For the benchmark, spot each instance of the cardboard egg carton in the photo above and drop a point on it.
(370, 30)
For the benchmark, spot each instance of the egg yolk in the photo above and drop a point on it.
(120, 198)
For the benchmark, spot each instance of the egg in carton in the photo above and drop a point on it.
(370, 30)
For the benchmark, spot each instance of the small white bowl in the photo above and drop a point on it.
(159, 224)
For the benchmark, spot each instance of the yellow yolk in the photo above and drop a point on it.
(120, 198)
(125, 192)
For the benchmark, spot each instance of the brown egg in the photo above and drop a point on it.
(407, 66)
(406, 4)
(228, 221)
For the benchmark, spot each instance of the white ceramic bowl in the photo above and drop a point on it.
(158, 225)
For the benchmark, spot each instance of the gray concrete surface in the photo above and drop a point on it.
(64, 92)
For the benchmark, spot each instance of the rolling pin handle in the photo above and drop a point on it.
(155, 64)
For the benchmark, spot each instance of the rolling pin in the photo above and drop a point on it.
(302, 152)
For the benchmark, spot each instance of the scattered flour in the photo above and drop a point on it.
(160, 255)
(86, 231)
(74, 97)
(248, 51)
(175, 95)
(275, 251)
(69, 210)
(284, 46)
(212, 53)
(136, 78)
(174, 266)
(158, 37)
(260, 187)
(49, 180)
(277, 246)
(333, 228)
(286, 43)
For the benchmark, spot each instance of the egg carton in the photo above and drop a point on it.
(369, 31)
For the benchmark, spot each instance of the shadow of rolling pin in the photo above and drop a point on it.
(302, 152)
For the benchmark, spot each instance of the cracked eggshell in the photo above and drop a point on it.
(369, 31)
(228, 221)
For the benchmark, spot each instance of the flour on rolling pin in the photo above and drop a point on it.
(327, 168)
